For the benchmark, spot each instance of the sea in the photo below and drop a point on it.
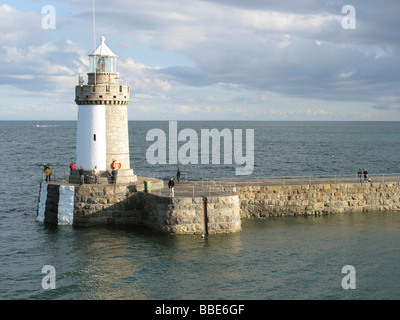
(334, 257)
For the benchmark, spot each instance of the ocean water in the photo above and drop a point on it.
(274, 258)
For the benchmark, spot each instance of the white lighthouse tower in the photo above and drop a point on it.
(102, 133)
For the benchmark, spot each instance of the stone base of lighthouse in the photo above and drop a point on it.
(126, 176)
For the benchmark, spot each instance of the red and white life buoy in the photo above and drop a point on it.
(116, 165)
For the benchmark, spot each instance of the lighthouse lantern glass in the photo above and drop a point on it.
(102, 64)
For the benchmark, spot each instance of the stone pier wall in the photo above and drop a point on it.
(185, 215)
(180, 215)
(290, 200)
(125, 204)
(128, 205)
(223, 214)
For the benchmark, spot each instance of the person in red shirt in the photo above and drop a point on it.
(72, 166)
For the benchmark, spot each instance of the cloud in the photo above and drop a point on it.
(145, 79)
(35, 60)
(388, 104)
(246, 55)
(295, 50)
(317, 113)
(37, 67)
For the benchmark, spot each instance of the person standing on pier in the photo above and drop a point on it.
(359, 175)
(48, 173)
(178, 175)
(72, 166)
(365, 175)
(171, 185)
(96, 174)
(82, 174)
(114, 174)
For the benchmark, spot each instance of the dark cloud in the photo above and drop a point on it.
(395, 105)
(303, 7)
(188, 76)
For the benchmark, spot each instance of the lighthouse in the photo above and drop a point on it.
(103, 141)
(102, 129)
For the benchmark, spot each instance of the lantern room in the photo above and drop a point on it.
(103, 60)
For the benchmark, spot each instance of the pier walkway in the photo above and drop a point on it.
(219, 187)
(224, 186)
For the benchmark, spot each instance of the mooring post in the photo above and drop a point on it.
(205, 217)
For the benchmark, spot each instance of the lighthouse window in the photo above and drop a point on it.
(101, 65)
(94, 137)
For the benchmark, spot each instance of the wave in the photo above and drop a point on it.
(46, 125)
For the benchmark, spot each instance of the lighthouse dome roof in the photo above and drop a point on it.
(103, 49)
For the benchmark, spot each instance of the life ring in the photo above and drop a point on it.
(116, 165)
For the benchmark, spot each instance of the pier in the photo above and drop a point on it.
(212, 206)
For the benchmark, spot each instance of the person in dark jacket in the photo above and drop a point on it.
(359, 175)
(365, 175)
(178, 175)
(114, 174)
(82, 174)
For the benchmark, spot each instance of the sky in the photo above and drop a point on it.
(207, 59)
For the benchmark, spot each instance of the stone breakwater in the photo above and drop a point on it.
(180, 215)
(129, 205)
(126, 205)
(318, 199)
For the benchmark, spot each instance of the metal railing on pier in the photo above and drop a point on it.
(55, 177)
(215, 186)
(307, 179)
